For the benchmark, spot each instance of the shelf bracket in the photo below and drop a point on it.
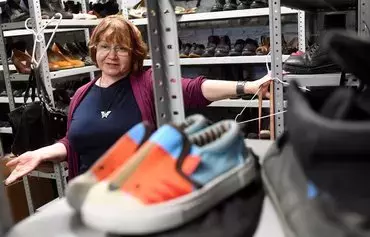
(162, 31)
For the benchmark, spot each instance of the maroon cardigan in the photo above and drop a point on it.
(142, 87)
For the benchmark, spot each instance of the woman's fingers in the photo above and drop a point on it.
(13, 162)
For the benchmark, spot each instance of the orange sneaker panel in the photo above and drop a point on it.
(116, 156)
(156, 179)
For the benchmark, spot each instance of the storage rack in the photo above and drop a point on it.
(276, 52)
(164, 112)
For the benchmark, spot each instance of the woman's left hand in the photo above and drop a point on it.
(264, 83)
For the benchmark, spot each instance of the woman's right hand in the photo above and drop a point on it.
(23, 165)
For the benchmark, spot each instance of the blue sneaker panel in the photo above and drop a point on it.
(170, 139)
(137, 132)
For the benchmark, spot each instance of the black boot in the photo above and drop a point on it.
(51, 7)
(230, 5)
(223, 48)
(244, 4)
(219, 6)
(13, 12)
(213, 41)
(259, 4)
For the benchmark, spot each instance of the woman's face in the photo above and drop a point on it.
(113, 59)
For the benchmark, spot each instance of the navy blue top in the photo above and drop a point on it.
(90, 135)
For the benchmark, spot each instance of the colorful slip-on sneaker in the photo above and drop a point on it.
(317, 173)
(118, 154)
(171, 180)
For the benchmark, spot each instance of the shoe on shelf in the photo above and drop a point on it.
(197, 51)
(218, 6)
(57, 61)
(250, 47)
(185, 50)
(244, 4)
(51, 7)
(169, 182)
(259, 4)
(118, 155)
(230, 5)
(21, 61)
(79, 51)
(213, 41)
(223, 48)
(58, 49)
(326, 172)
(13, 12)
(238, 48)
(313, 61)
(264, 47)
(138, 11)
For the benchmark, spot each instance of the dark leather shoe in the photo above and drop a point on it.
(250, 47)
(313, 61)
(185, 50)
(238, 48)
(219, 6)
(259, 4)
(14, 12)
(197, 51)
(223, 48)
(244, 4)
(230, 5)
(213, 41)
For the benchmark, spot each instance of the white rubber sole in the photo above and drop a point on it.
(171, 214)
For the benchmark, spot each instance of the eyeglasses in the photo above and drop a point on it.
(106, 48)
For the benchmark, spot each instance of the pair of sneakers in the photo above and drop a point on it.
(150, 182)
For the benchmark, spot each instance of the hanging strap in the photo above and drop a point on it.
(31, 85)
(270, 84)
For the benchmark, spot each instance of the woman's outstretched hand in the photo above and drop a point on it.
(261, 85)
(22, 165)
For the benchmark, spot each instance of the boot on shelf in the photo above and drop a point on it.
(238, 48)
(13, 12)
(51, 7)
(244, 4)
(230, 5)
(213, 41)
(250, 47)
(223, 48)
(219, 6)
(44, 13)
(259, 4)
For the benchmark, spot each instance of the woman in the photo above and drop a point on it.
(104, 109)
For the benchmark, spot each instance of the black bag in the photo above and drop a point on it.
(36, 124)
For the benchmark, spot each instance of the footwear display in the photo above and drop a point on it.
(58, 49)
(244, 4)
(213, 41)
(54, 6)
(196, 51)
(21, 61)
(264, 47)
(118, 155)
(250, 47)
(230, 5)
(259, 4)
(13, 12)
(170, 180)
(314, 61)
(223, 48)
(185, 50)
(238, 48)
(57, 61)
(219, 6)
(316, 181)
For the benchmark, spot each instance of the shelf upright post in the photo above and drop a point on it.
(124, 8)
(163, 41)
(302, 30)
(35, 13)
(276, 63)
(86, 32)
(5, 214)
(363, 17)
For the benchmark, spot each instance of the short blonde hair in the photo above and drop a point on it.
(123, 33)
